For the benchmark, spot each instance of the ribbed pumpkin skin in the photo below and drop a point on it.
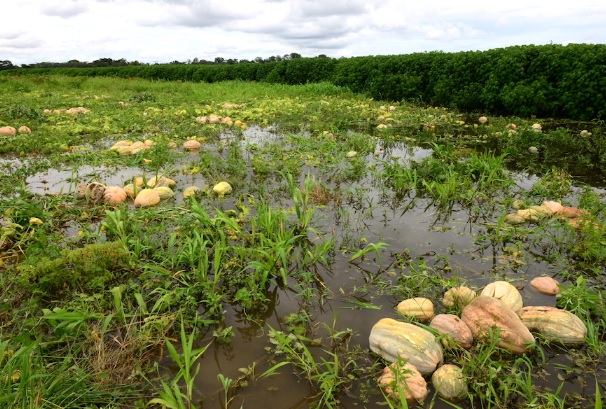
(409, 379)
(114, 195)
(504, 292)
(449, 382)
(554, 324)
(488, 314)
(453, 326)
(392, 339)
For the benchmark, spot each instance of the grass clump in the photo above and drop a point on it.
(88, 268)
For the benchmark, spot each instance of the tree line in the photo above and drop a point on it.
(122, 62)
(546, 80)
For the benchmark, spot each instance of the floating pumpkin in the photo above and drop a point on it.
(147, 197)
(91, 191)
(490, 317)
(545, 285)
(192, 145)
(405, 378)
(114, 195)
(458, 296)
(119, 144)
(222, 188)
(160, 181)
(455, 330)
(124, 149)
(554, 324)
(418, 307)
(505, 292)
(393, 340)
(165, 192)
(191, 191)
(449, 383)
(131, 190)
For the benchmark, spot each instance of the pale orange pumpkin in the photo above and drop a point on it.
(147, 197)
(114, 195)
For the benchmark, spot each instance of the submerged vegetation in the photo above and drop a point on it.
(340, 207)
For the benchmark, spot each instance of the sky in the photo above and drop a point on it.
(161, 31)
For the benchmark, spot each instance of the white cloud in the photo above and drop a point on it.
(165, 30)
(64, 9)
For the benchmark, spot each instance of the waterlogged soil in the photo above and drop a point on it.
(393, 193)
(355, 296)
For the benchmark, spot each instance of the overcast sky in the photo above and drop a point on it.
(161, 31)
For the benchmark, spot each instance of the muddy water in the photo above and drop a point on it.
(421, 233)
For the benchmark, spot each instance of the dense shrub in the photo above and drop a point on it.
(546, 81)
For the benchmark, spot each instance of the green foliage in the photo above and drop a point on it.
(546, 81)
(90, 267)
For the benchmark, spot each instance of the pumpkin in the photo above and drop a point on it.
(191, 191)
(165, 192)
(528, 214)
(119, 144)
(545, 285)
(449, 383)
(393, 340)
(222, 188)
(404, 377)
(8, 131)
(571, 212)
(192, 145)
(555, 207)
(458, 296)
(77, 110)
(114, 195)
(91, 191)
(147, 197)
(554, 324)
(541, 211)
(514, 218)
(124, 149)
(455, 330)
(35, 220)
(418, 307)
(489, 316)
(158, 181)
(214, 119)
(505, 292)
(137, 147)
(24, 130)
(131, 190)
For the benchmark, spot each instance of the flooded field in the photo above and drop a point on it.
(265, 294)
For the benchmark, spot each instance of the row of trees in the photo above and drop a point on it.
(547, 81)
(109, 62)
